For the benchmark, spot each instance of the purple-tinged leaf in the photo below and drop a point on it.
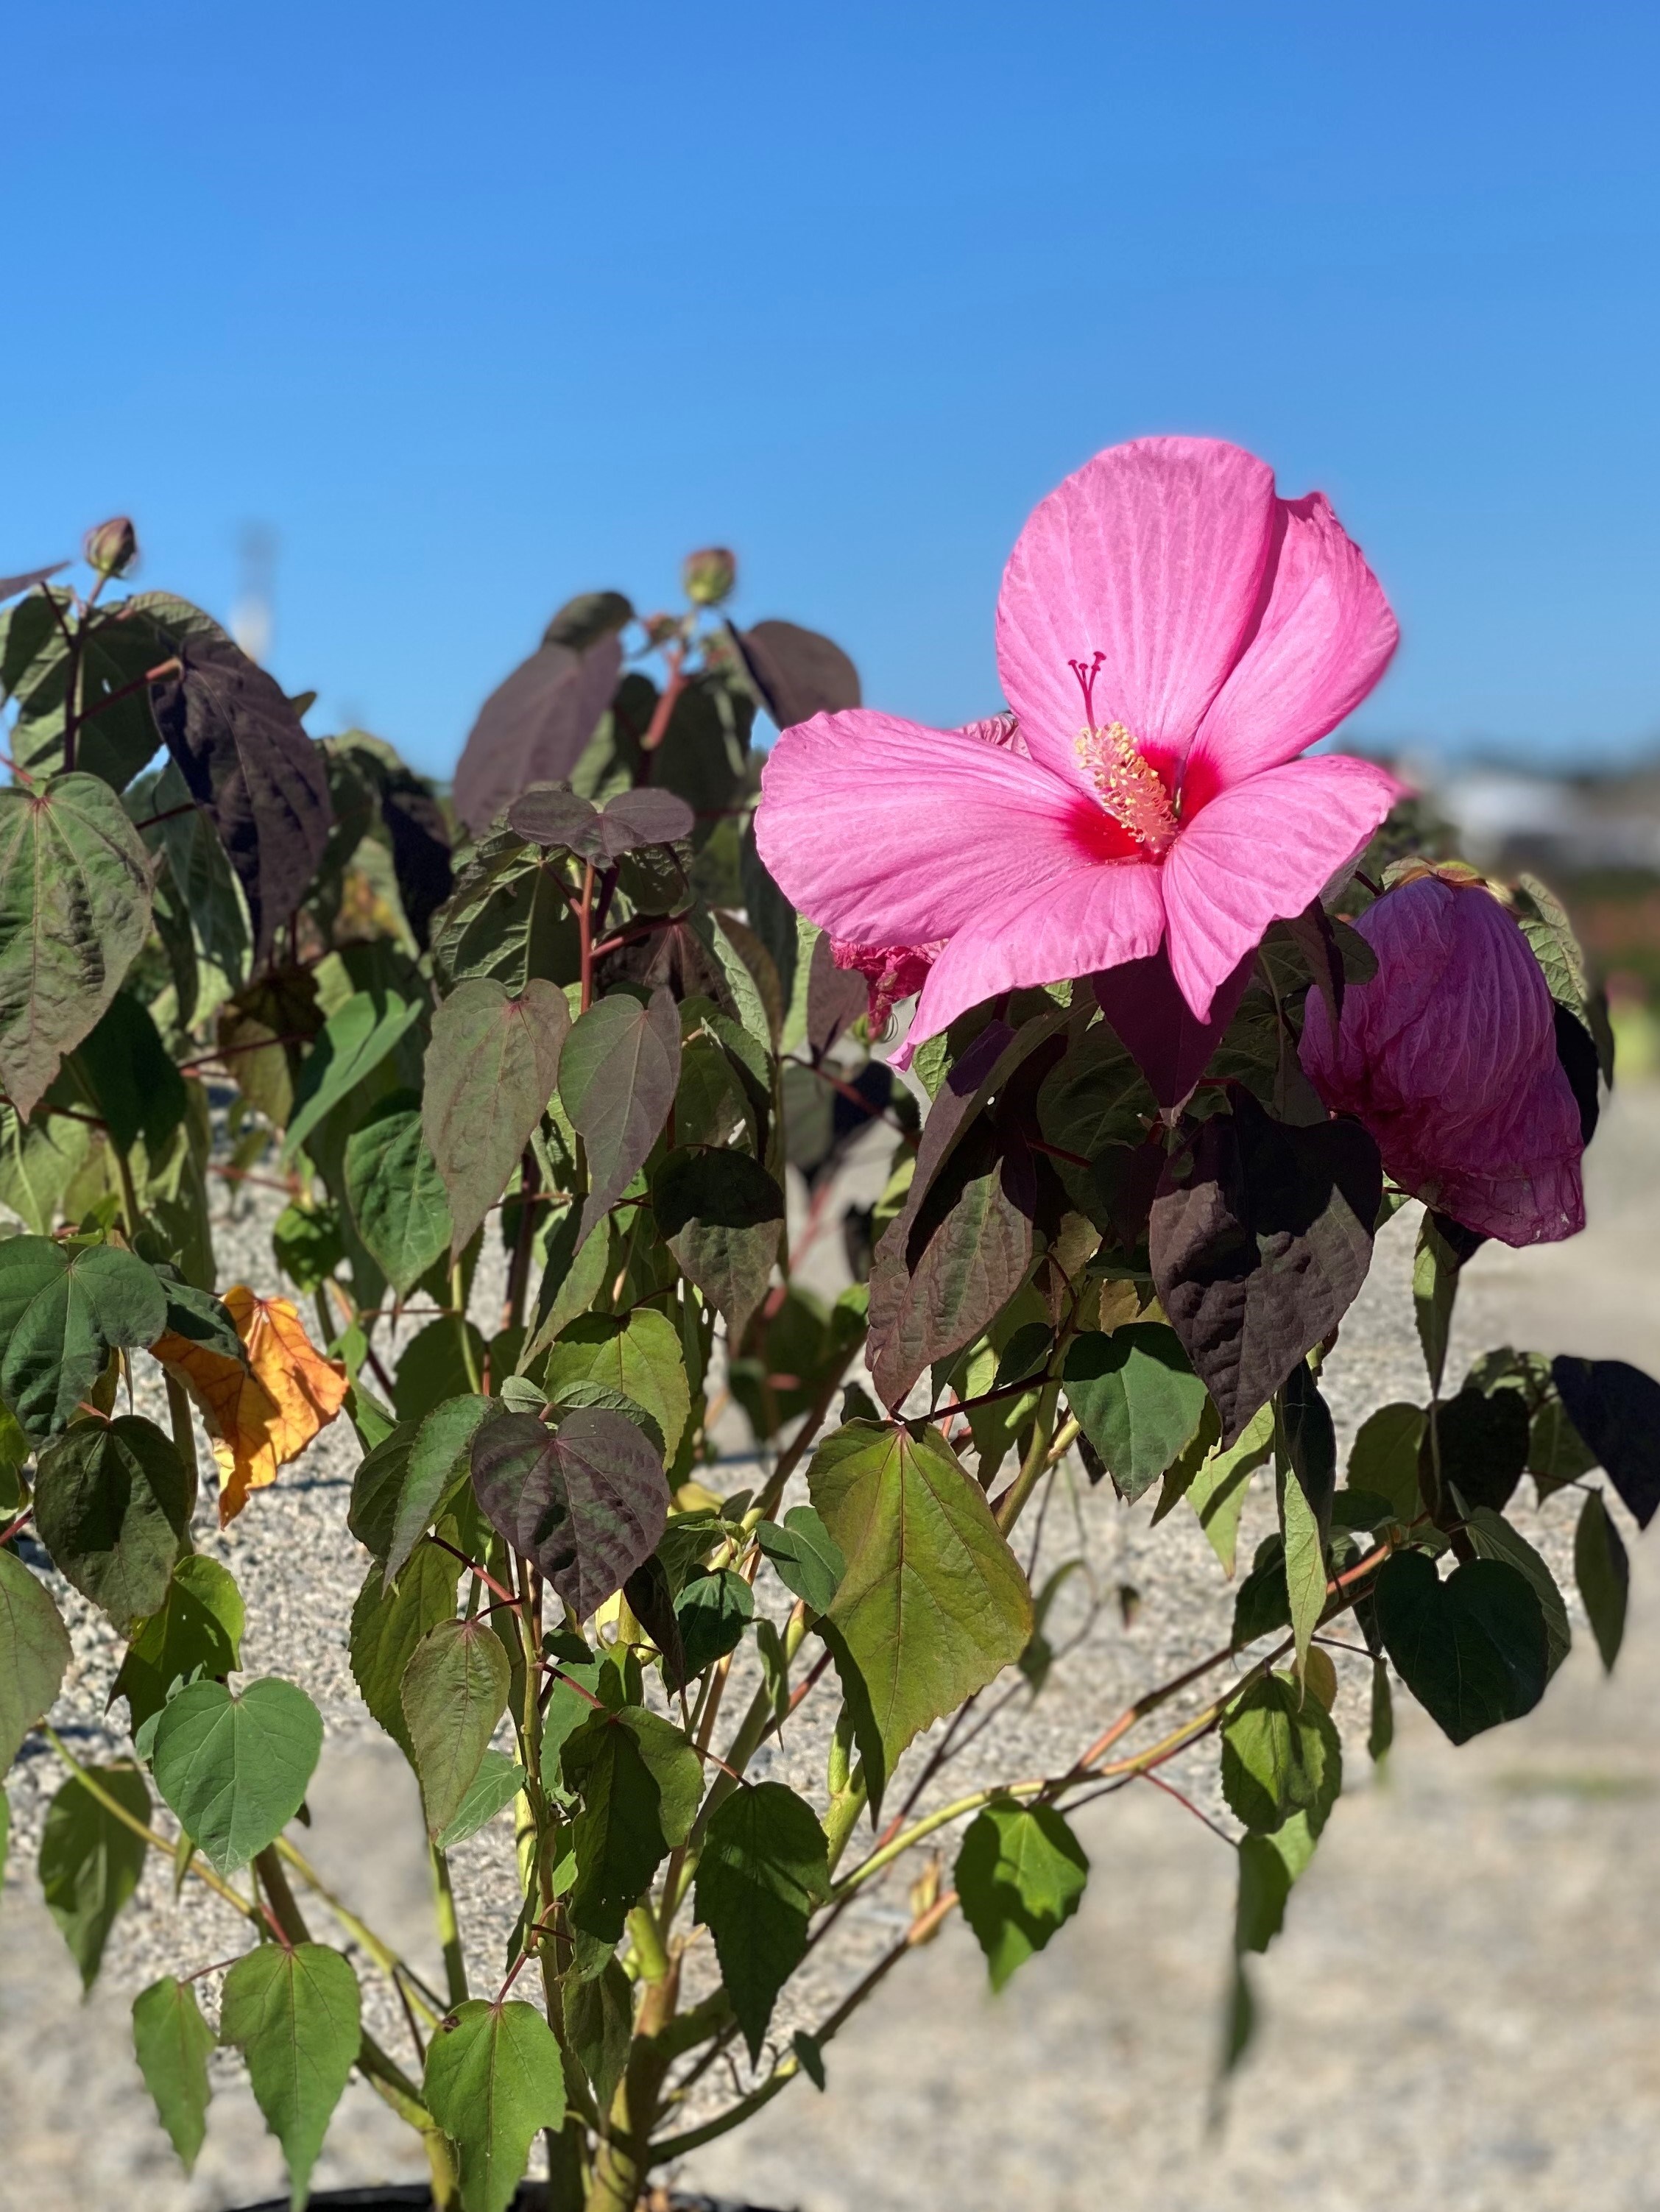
(591, 615)
(617, 1076)
(721, 1215)
(533, 726)
(837, 997)
(11, 586)
(246, 760)
(1616, 1409)
(1153, 1021)
(647, 817)
(798, 674)
(586, 1501)
(548, 814)
(489, 1073)
(1259, 1238)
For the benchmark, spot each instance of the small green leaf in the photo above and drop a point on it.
(357, 1038)
(234, 1767)
(386, 1625)
(1493, 1538)
(1434, 1287)
(1217, 1491)
(1603, 1574)
(1473, 1650)
(295, 2015)
(640, 1782)
(198, 1626)
(763, 1872)
(431, 1367)
(34, 1654)
(455, 1690)
(112, 1503)
(1280, 1755)
(498, 1782)
(132, 1084)
(933, 1604)
(439, 1464)
(75, 910)
(396, 1194)
(63, 1307)
(809, 1565)
(492, 2080)
(1136, 1397)
(712, 1611)
(1020, 1874)
(641, 1356)
(599, 2027)
(91, 1861)
(1383, 1458)
(173, 2042)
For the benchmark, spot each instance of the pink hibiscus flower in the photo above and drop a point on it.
(1170, 637)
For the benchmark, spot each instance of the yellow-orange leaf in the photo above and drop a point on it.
(263, 1415)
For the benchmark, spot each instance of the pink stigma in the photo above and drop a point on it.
(1086, 677)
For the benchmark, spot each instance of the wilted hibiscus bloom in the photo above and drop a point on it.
(1170, 637)
(1448, 1055)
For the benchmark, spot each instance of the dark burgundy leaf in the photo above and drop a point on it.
(798, 673)
(1260, 1239)
(420, 849)
(534, 726)
(835, 998)
(1155, 1024)
(1616, 1409)
(248, 763)
(721, 1215)
(1125, 1177)
(586, 1501)
(947, 1267)
(644, 818)
(551, 814)
(10, 585)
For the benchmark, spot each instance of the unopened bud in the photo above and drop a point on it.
(709, 576)
(112, 547)
(660, 630)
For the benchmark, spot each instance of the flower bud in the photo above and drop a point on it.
(1447, 1056)
(660, 630)
(112, 547)
(709, 575)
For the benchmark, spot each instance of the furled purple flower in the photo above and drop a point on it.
(1448, 1055)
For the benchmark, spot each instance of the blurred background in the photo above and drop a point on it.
(392, 328)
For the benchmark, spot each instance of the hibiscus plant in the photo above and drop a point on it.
(549, 1087)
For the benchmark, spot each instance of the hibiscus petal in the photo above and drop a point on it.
(886, 833)
(1325, 637)
(1258, 854)
(1094, 917)
(1152, 555)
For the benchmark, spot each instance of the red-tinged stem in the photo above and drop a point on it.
(1058, 1152)
(6, 1534)
(170, 667)
(508, 1597)
(585, 934)
(856, 1098)
(657, 728)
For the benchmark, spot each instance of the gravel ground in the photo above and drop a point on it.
(1499, 2056)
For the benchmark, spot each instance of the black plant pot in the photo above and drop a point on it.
(415, 2197)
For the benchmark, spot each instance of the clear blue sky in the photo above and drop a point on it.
(477, 306)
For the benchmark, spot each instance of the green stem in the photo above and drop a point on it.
(459, 1300)
(449, 1931)
(1036, 1462)
(184, 1438)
